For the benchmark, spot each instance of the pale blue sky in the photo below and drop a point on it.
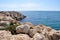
(23, 5)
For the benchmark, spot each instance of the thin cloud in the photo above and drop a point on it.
(29, 6)
(8, 5)
(26, 6)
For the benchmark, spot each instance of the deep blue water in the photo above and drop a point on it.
(48, 18)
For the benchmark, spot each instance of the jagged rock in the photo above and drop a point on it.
(4, 17)
(21, 37)
(27, 30)
(10, 18)
(38, 28)
(48, 29)
(23, 28)
(38, 36)
(55, 35)
(32, 32)
(30, 24)
(46, 34)
(12, 15)
(4, 24)
(6, 35)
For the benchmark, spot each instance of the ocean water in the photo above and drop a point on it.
(48, 18)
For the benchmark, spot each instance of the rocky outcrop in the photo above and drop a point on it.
(8, 18)
(6, 35)
(38, 36)
(23, 29)
(6, 15)
(39, 32)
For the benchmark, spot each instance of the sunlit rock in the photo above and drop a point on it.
(23, 28)
(38, 36)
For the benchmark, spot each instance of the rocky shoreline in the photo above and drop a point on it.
(12, 29)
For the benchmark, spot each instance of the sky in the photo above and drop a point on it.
(29, 5)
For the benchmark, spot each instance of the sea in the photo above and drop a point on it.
(48, 18)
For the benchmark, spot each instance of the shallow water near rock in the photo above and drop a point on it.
(48, 18)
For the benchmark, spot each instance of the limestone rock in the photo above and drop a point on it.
(20, 37)
(55, 36)
(12, 15)
(10, 18)
(30, 24)
(23, 28)
(38, 36)
(5, 35)
(4, 24)
(32, 32)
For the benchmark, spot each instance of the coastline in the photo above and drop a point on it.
(13, 29)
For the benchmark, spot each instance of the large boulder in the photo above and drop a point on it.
(30, 24)
(4, 24)
(32, 32)
(22, 28)
(38, 36)
(6, 35)
(21, 37)
(55, 35)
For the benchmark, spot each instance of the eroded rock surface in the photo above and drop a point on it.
(23, 28)
(6, 35)
(40, 32)
(11, 15)
(10, 18)
(38, 36)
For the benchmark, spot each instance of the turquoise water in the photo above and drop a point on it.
(48, 18)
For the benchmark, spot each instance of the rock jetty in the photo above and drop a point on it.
(6, 15)
(9, 18)
(12, 29)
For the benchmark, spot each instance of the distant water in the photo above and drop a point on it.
(48, 18)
